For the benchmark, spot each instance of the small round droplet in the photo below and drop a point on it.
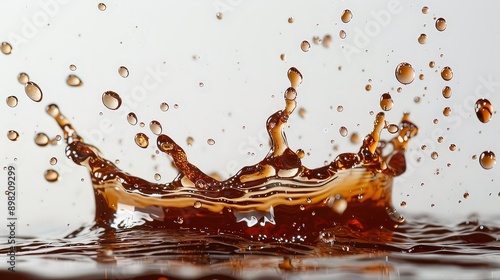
(33, 91)
(425, 10)
(440, 139)
(200, 184)
(434, 155)
(111, 100)
(342, 34)
(73, 81)
(466, 195)
(51, 175)
(12, 101)
(446, 111)
(155, 127)
(368, 87)
(343, 131)
(290, 20)
(295, 77)
(142, 140)
(72, 67)
(302, 112)
(423, 147)
(12, 135)
(157, 176)
(23, 78)
(101, 7)
(327, 41)
(190, 141)
(422, 39)
(282, 57)
(317, 40)
(41, 139)
(197, 204)
(302, 207)
(53, 161)
(487, 159)
(210, 141)
(201, 84)
(432, 64)
(164, 106)
(339, 205)
(123, 71)
(132, 118)
(386, 102)
(446, 92)
(340, 108)
(484, 110)
(453, 147)
(440, 24)
(346, 16)
(421, 77)
(300, 153)
(393, 128)
(403, 204)
(219, 15)
(446, 73)
(405, 73)
(355, 138)
(6, 48)
(305, 46)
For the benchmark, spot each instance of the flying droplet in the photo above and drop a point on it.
(425, 10)
(179, 220)
(368, 87)
(210, 141)
(302, 112)
(290, 94)
(164, 106)
(219, 15)
(393, 128)
(484, 110)
(342, 34)
(197, 204)
(101, 7)
(201, 84)
(405, 73)
(142, 140)
(123, 71)
(340, 108)
(73, 81)
(446, 92)
(422, 39)
(434, 155)
(41, 139)
(132, 118)
(157, 176)
(305, 46)
(290, 20)
(440, 24)
(155, 127)
(346, 16)
(12, 101)
(386, 102)
(23, 78)
(294, 77)
(446, 73)
(446, 111)
(453, 147)
(190, 141)
(432, 64)
(343, 131)
(327, 41)
(487, 159)
(51, 175)
(111, 100)
(339, 205)
(282, 57)
(6, 48)
(317, 40)
(355, 138)
(33, 91)
(403, 204)
(12, 135)
(466, 195)
(72, 67)
(53, 161)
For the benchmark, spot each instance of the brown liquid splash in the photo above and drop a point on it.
(275, 200)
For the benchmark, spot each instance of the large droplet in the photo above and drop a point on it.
(487, 159)
(33, 91)
(197, 204)
(446, 73)
(12, 135)
(386, 102)
(101, 7)
(295, 77)
(6, 48)
(405, 73)
(142, 140)
(51, 175)
(123, 71)
(111, 100)
(440, 24)
(132, 118)
(12, 101)
(23, 78)
(446, 92)
(155, 127)
(346, 16)
(422, 39)
(41, 139)
(484, 110)
(305, 46)
(73, 81)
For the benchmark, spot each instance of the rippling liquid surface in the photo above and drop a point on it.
(418, 249)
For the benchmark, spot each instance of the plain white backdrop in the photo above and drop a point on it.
(170, 48)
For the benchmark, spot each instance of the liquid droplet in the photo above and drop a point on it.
(12, 135)
(386, 102)
(12, 101)
(101, 7)
(290, 20)
(282, 57)
(440, 24)
(432, 64)
(53, 161)
(327, 41)
(405, 73)
(346, 16)
(342, 34)
(6, 48)
(446, 73)
(123, 71)
(23, 78)
(164, 106)
(51, 175)
(317, 40)
(368, 87)
(343, 131)
(446, 92)
(447, 111)
(73, 81)
(302, 113)
(157, 177)
(305, 46)
(201, 84)
(355, 138)
(466, 195)
(290, 94)
(219, 16)
(72, 67)
(190, 141)
(339, 205)
(487, 159)
(41, 139)
(453, 147)
(425, 10)
(210, 141)
(111, 100)
(434, 155)
(132, 118)
(340, 108)
(142, 140)
(33, 91)
(197, 204)
(295, 77)
(155, 127)
(484, 110)
(179, 220)
(393, 128)
(403, 204)
(422, 39)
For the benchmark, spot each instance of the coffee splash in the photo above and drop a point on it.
(275, 200)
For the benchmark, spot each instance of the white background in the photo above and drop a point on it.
(238, 61)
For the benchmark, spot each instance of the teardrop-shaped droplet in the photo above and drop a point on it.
(111, 100)
(346, 16)
(33, 91)
(73, 81)
(295, 77)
